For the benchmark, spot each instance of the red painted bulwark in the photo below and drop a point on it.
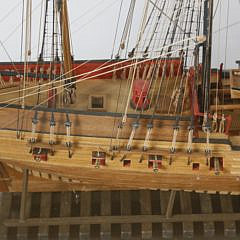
(140, 92)
(94, 69)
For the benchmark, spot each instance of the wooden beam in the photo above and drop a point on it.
(167, 227)
(22, 233)
(45, 209)
(186, 208)
(145, 198)
(229, 226)
(85, 212)
(65, 211)
(24, 195)
(206, 208)
(5, 208)
(125, 199)
(215, 217)
(105, 232)
(170, 204)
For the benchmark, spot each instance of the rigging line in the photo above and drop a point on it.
(19, 25)
(115, 118)
(129, 31)
(26, 58)
(98, 14)
(140, 33)
(198, 29)
(145, 82)
(178, 14)
(196, 61)
(116, 32)
(81, 80)
(87, 73)
(184, 93)
(101, 68)
(153, 16)
(34, 107)
(28, 29)
(161, 10)
(163, 77)
(228, 26)
(144, 26)
(10, 12)
(87, 11)
(226, 47)
(39, 40)
(152, 69)
(216, 9)
(59, 77)
(21, 52)
(176, 7)
(127, 26)
(178, 36)
(218, 57)
(155, 70)
(155, 27)
(190, 28)
(186, 56)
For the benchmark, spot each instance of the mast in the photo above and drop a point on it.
(207, 54)
(70, 86)
(66, 47)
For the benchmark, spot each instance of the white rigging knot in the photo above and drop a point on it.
(189, 145)
(119, 129)
(174, 140)
(33, 138)
(147, 137)
(208, 149)
(214, 122)
(190, 140)
(124, 119)
(68, 125)
(222, 124)
(135, 125)
(52, 139)
(205, 125)
(122, 45)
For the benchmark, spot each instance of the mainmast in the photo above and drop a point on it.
(207, 54)
(66, 47)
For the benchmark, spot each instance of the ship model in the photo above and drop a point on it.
(154, 116)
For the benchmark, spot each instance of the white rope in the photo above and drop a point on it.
(190, 140)
(147, 137)
(108, 66)
(27, 47)
(84, 79)
(174, 140)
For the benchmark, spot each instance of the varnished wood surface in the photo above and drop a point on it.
(61, 172)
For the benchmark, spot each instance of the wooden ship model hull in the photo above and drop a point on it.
(139, 123)
(94, 132)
